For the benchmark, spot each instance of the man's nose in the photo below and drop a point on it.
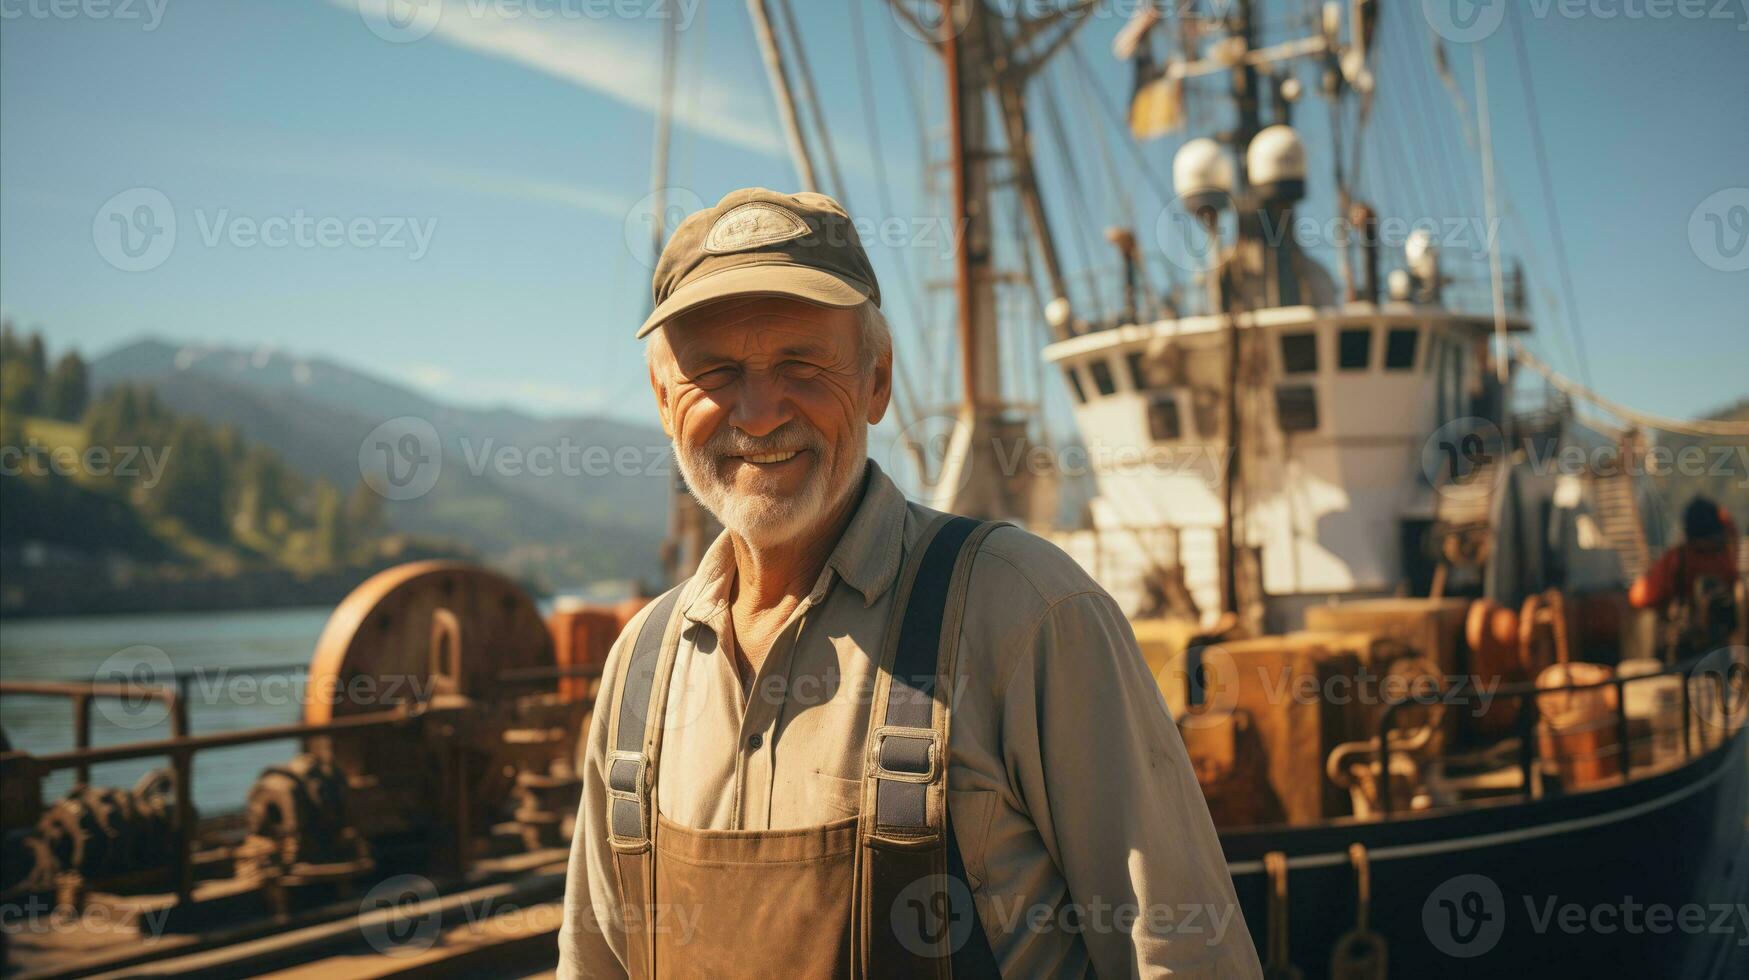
(761, 407)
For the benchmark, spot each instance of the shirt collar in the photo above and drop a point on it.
(866, 556)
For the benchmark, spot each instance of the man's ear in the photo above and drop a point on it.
(883, 389)
(664, 408)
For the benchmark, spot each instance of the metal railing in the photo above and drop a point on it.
(181, 747)
(1526, 693)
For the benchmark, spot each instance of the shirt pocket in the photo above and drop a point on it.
(833, 796)
(972, 810)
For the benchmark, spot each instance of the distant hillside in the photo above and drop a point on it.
(592, 512)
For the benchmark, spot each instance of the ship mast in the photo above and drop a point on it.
(1250, 122)
(974, 288)
(981, 55)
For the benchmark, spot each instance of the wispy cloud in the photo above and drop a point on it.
(595, 54)
(353, 163)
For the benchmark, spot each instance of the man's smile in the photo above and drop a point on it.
(762, 458)
(770, 462)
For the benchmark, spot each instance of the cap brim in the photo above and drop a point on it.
(794, 281)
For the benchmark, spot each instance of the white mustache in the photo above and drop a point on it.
(790, 437)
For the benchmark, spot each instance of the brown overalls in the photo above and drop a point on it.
(882, 894)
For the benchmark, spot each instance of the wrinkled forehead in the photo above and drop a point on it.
(759, 327)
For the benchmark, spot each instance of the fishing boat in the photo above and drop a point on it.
(1397, 642)
(1395, 637)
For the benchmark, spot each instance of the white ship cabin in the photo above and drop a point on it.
(1336, 405)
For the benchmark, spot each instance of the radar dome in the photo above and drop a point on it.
(1421, 255)
(1202, 174)
(1276, 164)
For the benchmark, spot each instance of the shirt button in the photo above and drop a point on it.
(755, 740)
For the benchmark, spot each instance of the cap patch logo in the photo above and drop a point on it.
(752, 225)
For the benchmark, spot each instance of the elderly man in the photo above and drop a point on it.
(866, 739)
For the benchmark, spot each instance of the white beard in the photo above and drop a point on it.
(763, 519)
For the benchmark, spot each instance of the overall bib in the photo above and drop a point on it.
(879, 895)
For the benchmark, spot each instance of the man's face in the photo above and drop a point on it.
(768, 402)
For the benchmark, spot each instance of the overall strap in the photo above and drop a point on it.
(628, 766)
(920, 919)
(633, 745)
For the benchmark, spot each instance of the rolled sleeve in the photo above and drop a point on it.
(1098, 762)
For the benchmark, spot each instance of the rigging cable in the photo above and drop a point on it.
(786, 107)
(1494, 268)
(1571, 320)
(811, 97)
(662, 137)
(1448, 153)
(1054, 123)
(1468, 130)
(693, 74)
(1574, 389)
(937, 354)
(1115, 118)
(865, 74)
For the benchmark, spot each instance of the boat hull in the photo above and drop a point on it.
(1646, 879)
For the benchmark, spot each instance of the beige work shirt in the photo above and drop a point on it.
(1086, 840)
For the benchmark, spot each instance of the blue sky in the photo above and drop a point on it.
(517, 135)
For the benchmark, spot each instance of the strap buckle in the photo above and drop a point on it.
(905, 754)
(627, 774)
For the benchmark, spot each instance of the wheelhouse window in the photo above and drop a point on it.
(1400, 344)
(1296, 408)
(1138, 371)
(1299, 353)
(1354, 349)
(1074, 377)
(1103, 380)
(1164, 424)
